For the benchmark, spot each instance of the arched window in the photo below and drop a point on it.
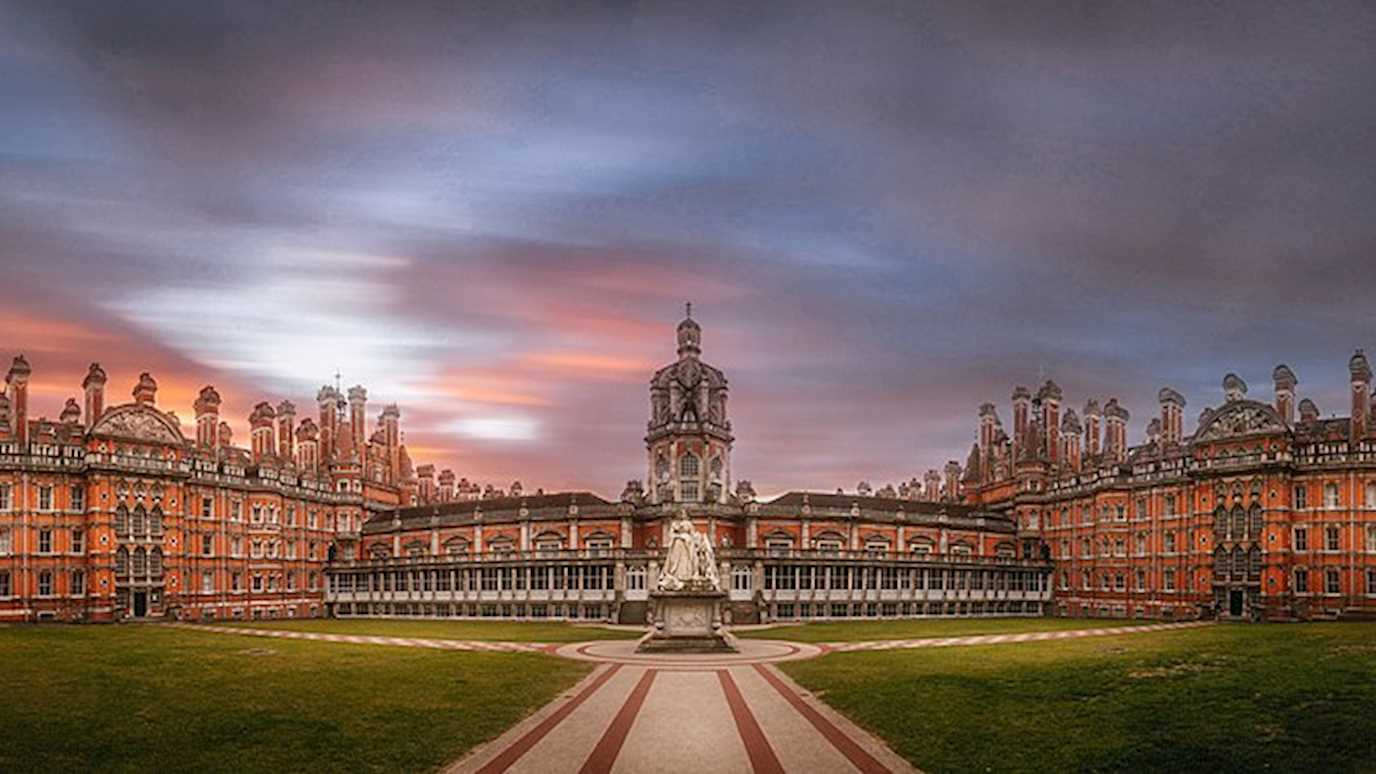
(139, 526)
(1255, 521)
(1254, 563)
(1239, 522)
(155, 563)
(549, 541)
(688, 466)
(122, 562)
(121, 520)
(455, 546)
(1220, 563)
(1239, 563)
(1220, 520)
(140, 562)
(155, 522)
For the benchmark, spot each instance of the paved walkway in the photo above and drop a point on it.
(687, 713)
(364, 639)
(1001, 639)
(704, 714)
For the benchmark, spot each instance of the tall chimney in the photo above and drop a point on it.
(260, 431)
(358, 401)
(1049, 396)
(1070, 440)
(1093, 430)
(446, 485)
(307, 445)
(1021, 397)
(391, 431)
(328, 400)
(952, 481)
(1361, 394)
(226, 435)
(1285, 382)
(207, 408)
(17, 386)
(286, 436)
(1115, 424)
(1172, 415)
(94, 386)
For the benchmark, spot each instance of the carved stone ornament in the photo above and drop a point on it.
(1241, 418)
(138, 423)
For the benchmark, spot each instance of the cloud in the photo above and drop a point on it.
(885, 213)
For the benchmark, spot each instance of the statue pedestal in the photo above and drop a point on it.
(687, 621)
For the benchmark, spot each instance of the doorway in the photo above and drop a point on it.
(140, 604)
(1235, 603)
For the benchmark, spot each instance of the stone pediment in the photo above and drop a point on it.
(140, 423)
(1239, 418)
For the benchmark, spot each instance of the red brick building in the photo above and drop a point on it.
(111, 512)
(1265, 511)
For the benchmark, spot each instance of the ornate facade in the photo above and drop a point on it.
(1259, 514)
(908, 552)
(110, 512)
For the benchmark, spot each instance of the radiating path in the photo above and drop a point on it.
(699, 713)
(365, 639)
(1001, 639)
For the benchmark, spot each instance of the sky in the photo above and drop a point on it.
(884, 213)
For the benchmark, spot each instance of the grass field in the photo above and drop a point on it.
(152, 698)
(1222, 698)
(913, 628)
(509, 631)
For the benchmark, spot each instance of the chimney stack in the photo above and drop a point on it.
(1172, 416)
(207, 408)
(94, 386)
(1285, 381)
(1361, 394)
(146, 391)
(286, 435)
(17, 389)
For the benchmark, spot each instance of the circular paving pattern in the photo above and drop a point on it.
(749, 652)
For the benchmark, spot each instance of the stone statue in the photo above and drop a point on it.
(689, 562)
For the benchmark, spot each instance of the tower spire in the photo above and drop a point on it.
(688, 309)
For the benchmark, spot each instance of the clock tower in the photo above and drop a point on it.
(688, 439)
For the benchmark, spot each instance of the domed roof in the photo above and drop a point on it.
(689, 334)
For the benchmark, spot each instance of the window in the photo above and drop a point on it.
(45, 583)
(1301, 496)
(45, 500)
(208, 580)
(1301, 581)
(1168, 580)
(45, 541)
(1120, 513)
(207, 508)
(688, 468)
(1170, 505)
(688, 491)
(122, 562)
(236, 546)
(6, 499)
(1371, 537)
(236, 510)
(1371, 494)
(236, 581)
(257, 583)
(78, 541)
(78, 495)
(1301, 538)
(635, 577)
(1371, 581)
(1170, 542)
(5, 545)
(1330, 582)
(1140, 580)
(78, 583)
(1140, 545)
(207, 545)
(4, 583)
(1331, 538)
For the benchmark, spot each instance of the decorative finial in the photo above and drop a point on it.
(336, 380)
(688, 308)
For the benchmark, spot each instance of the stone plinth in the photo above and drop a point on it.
(687, 621)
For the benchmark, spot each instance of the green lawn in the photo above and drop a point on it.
(508, 631)
(1296, 697)
(914, 628)
(153, 698)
